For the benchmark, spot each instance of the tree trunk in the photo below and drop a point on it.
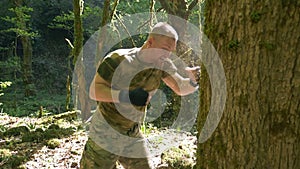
(27, 52)
(106, 18)
(258, 43)
(82, 100)
(27, 66)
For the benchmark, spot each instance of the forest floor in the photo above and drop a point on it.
(57, 143)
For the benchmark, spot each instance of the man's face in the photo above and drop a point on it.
(161, 48)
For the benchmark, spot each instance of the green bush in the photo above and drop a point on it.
(53, 143)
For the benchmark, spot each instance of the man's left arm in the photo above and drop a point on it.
(181, 85)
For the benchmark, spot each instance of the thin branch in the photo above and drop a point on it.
(152, 2)
(148, 21)
(117, 31)
(182, 55)
(159, 9)
(193, 4)
(165, 5)
(70, 43)
(114, 9)
(186, 52)
(132, 41)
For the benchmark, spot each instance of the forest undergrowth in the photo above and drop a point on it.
(57, 141)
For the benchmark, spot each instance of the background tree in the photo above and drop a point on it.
(82, 99)
(84, 103)
(24, 34)
(258, 42)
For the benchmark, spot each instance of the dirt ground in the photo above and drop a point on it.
(67, 153)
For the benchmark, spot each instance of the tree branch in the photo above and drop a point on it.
(132, 41)
(114, 9)
(105, 13)
(193, 4)
(152, 2)
(165, 4)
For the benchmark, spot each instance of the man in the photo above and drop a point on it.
(123, 86)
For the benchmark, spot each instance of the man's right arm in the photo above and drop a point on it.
(100, 90)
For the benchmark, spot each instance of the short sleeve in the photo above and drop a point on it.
(108, 66)
(169, 68)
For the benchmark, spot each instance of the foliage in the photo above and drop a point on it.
(178, 158)
(63, 21)
(20, 21)
(127, 7)
(53, 143)
(4, 85)
(5, 154)
(11, 71)
(51, 104)
(91, 17)
(12, 160)
(13, 100)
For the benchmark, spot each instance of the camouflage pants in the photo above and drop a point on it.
(94, 157)
(106, 146)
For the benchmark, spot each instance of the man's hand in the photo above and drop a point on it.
(193, 73)
(138, 96)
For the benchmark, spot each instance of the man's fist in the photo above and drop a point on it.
(138, 96)
(193, 73)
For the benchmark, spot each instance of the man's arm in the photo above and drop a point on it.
(100, 90)
(180, 85)
(183, 86)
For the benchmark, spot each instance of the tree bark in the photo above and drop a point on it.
(258, 43)
(27, 66)
(81, 90)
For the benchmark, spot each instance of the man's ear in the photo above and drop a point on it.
(150, 42)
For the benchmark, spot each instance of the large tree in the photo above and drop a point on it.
(258, 43)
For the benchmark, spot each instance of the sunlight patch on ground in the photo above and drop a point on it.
(66, 151)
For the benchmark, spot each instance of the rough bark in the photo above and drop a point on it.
(258, 42)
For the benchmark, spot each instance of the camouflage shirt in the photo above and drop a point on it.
(124, 71)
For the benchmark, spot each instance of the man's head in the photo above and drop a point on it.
(160, 43)
(163, 28)
(162, 36)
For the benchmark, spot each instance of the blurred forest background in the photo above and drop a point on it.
(40, 42)
(45, 25)
(36, 59)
